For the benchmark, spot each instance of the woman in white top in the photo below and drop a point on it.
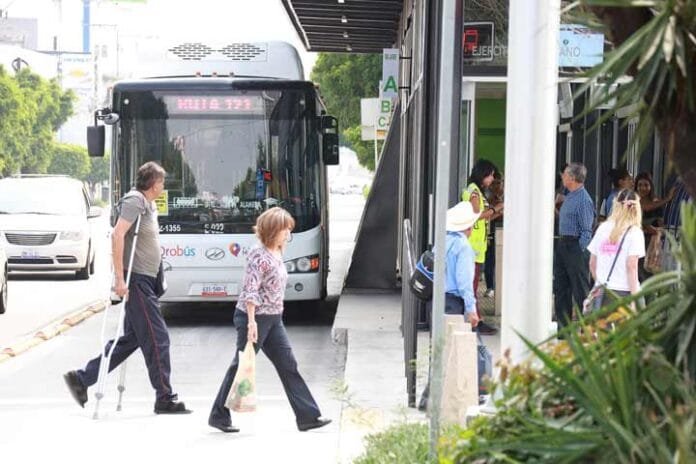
(625, 219)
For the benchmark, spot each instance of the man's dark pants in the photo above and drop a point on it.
(144, 328)
(273, 340)
(571, 278)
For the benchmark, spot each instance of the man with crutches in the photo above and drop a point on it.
(143, 325)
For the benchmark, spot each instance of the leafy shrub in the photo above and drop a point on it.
(620, 388)
(399, 444)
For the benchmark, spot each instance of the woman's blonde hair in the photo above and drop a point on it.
(270, 223)
(625, 213)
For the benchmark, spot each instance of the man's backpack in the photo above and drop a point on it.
(421, 281)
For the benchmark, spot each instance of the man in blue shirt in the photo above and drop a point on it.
(571, 277)
(459, 271)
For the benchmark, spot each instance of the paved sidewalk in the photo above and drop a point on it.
(375, 383)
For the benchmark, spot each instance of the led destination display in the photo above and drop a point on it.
(218, 104)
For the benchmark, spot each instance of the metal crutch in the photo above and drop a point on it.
(105, 361)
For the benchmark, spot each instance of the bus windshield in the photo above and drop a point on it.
(229, 156)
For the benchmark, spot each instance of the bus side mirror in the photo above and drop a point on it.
(329, 139)
(95, 140)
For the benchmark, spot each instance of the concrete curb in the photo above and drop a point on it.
(53, 329)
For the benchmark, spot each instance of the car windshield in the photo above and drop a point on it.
(36, 197)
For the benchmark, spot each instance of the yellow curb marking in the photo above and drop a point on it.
(52, 330)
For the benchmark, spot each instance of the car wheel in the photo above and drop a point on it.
(91, 266)
(3, 297)
(83, 274)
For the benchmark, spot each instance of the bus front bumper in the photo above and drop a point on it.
(226, 284)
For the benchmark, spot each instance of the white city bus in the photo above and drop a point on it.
(238, 131)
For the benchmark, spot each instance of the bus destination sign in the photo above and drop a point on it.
(217, 104)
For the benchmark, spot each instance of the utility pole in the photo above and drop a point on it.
(530, 158)
(449, 101)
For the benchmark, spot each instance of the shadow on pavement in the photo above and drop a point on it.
(305, 313)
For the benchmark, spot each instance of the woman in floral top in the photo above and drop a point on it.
(258, 317)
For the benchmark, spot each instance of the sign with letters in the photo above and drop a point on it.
(579, 46)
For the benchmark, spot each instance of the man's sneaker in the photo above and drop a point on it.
(171, 407)
(490, 293)
(485, 329)
(76, 387)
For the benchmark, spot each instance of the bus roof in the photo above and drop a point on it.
(273, 59)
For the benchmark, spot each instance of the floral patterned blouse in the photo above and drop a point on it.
(264, 282)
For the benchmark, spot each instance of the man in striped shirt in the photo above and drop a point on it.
(571, 277)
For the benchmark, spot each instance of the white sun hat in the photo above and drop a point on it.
(461, 217)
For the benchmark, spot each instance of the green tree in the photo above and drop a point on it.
(365, 149)
(47, 107)
(72, 160)
(343, 80)
(15, 125)
(98, 171)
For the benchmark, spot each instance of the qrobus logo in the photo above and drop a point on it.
(178, 252)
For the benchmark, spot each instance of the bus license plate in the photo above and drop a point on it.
(214, 290)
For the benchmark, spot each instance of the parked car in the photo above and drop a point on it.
(3, 281)
(45, 224)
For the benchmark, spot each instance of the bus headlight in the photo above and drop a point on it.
(303, 265)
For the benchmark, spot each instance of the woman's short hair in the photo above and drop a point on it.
(148, 174)
(270, 223)
(577, 171)
(482, 169)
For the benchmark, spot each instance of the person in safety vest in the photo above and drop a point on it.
(482, 176)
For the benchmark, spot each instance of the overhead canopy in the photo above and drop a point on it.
(359, 26)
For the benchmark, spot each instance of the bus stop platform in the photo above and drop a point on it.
(373, 395)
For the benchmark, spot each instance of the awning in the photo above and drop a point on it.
(360, 26)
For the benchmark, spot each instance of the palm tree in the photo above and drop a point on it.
(655, 44)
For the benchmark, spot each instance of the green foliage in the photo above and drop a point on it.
(31, 110)
(365, 150)
(72, 160)
(99, 170)
(655, 44)
(402, 443)
(620, 388)
(343, 80)
(15, 125)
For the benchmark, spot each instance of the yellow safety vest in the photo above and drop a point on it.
(479, 233)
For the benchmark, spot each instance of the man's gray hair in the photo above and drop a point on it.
(577, 171)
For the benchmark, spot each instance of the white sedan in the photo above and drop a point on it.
(45, 224)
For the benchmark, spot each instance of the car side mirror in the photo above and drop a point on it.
(94, 212)
(329, 139)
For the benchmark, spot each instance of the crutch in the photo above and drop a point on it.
(105, 361)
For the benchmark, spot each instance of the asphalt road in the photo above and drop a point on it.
(39, 420)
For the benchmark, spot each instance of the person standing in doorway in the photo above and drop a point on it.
(482, 176)
(571, 279)
(258, 318)
(144, 326)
